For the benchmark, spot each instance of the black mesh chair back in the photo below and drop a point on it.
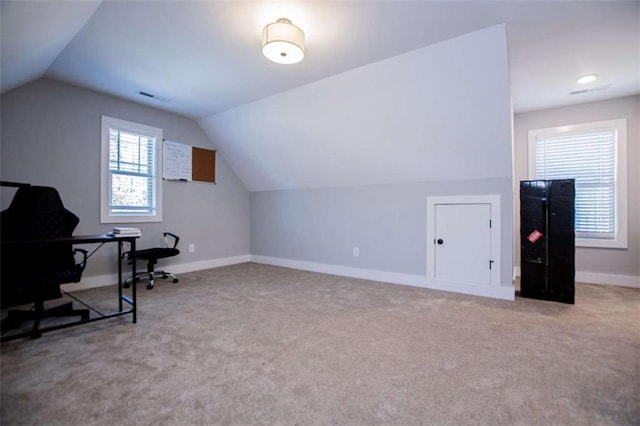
(35, 213)
(34, 273)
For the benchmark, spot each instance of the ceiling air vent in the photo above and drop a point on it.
(152, 96)
(578, 92)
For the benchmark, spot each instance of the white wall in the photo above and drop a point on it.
(51, 137)
(363, 150)
(598, 265)
(386, 222)
(437, 113)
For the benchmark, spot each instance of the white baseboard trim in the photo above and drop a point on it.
(178, 268)
(344, 271)
(494, 292)
(506, 293)
(207, 264)
(608, 279)
(602, 279)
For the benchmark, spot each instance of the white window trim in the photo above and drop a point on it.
(105, 216)
(620, 125)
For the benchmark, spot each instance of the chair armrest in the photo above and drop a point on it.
(127, 256)
(83, 262)
(174, 236)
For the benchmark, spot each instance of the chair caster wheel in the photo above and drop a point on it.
(175, 280)
(149, 286)
(126, 285)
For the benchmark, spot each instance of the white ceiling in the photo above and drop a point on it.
(203, 57)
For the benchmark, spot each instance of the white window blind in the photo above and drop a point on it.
(595, 155)
(590, 159)
(131, 173)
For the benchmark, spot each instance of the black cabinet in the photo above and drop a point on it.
(547, 240)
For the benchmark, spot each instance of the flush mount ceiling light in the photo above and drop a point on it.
(283, 42)
(589, 78)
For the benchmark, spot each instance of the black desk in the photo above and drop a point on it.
(87, 239)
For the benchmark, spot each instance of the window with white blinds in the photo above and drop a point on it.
(130, 177)
(590, 154)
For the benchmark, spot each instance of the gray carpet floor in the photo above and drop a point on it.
(255, 344)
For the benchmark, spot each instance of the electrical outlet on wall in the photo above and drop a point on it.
(192, 248)
(356, 251)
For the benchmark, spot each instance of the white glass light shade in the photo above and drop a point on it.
(586, 79)
(283, 42)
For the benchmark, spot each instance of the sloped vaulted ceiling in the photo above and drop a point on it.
(204, 55)
(34, 33)
(441, 112)
(318, 123)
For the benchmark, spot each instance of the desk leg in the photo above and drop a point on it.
(133, 282)
(120, 275)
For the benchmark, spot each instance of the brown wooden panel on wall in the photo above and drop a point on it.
(204, 165)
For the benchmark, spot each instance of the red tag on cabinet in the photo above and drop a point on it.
(534, 236)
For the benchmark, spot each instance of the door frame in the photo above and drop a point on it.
(494, 289)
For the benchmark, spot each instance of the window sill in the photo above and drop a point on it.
(618, 243)
(131, 219)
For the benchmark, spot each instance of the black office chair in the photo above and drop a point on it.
(152, 255)
(36, 213)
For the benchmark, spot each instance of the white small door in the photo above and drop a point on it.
(462, 243)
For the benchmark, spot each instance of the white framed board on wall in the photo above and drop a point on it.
(186, 163)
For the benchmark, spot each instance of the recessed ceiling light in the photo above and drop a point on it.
(589, 78)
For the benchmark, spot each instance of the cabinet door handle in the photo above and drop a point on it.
(440, 242)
